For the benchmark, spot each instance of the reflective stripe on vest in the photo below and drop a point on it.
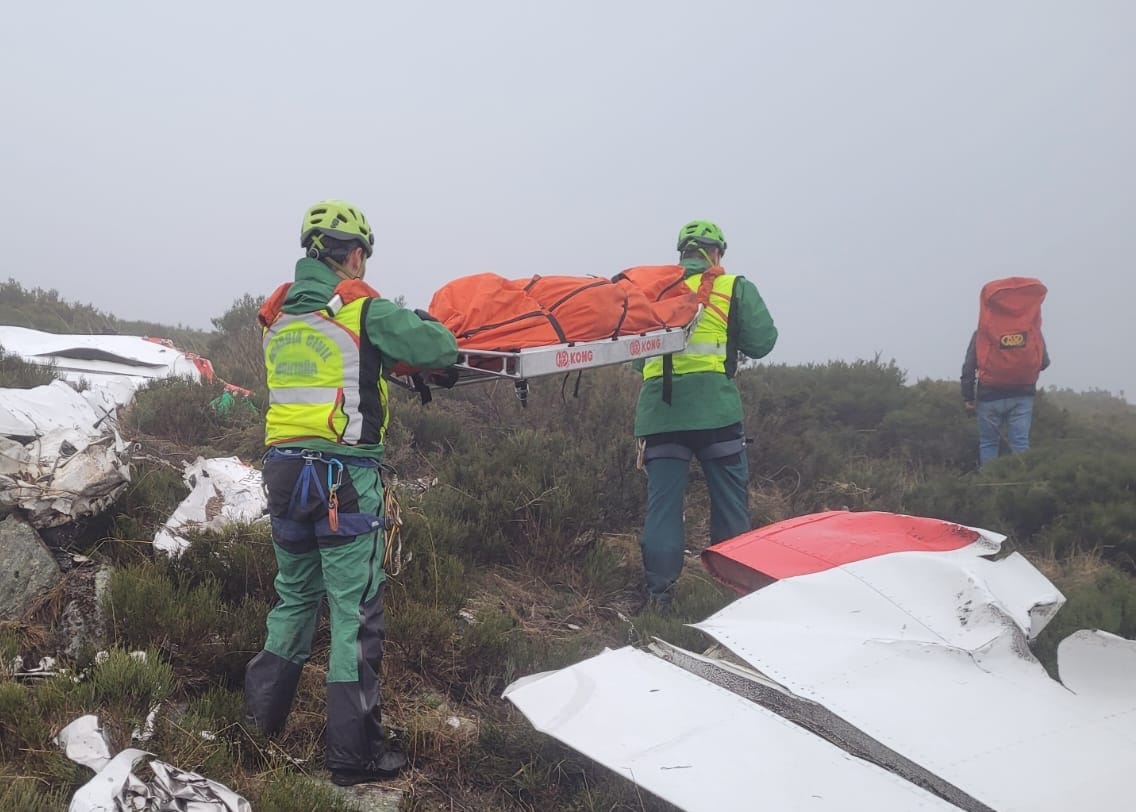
(706, 348)
(317, 379)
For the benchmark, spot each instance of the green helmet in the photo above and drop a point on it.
(702, 233)
(339, 220)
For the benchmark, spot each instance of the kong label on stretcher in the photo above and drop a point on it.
(533, 362)
(571, 358)
(639, 346)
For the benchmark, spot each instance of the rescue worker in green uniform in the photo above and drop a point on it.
(328, 338)
(689, 406)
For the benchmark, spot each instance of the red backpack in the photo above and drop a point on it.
(1009, 347)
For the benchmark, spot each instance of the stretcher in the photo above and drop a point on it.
(520, 366)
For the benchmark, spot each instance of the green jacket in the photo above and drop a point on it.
(707, 400)
(398, 333)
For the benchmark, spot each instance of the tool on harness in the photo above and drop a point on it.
(392, 525)
(333, 485)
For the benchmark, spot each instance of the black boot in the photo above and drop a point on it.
(388, 765)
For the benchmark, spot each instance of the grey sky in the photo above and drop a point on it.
(872, 163)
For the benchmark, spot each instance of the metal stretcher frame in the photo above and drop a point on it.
(519, 366)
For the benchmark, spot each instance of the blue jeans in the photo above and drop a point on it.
(1015, 414)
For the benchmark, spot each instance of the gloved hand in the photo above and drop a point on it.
(446, 378)
(424, 315)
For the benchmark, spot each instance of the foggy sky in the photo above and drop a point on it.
(872, 163)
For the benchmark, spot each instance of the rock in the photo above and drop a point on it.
(28, 570)
(75, 630)
(370, 797)
(102, 582)
(80, 625)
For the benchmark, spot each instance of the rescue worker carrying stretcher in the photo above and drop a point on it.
(328, 338)
(689, 406)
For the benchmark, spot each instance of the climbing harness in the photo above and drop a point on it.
(327, 490)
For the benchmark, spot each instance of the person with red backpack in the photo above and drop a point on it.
(1006, 355)
(328, 339)
(689, 406)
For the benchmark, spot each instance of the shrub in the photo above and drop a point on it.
(1097, 596)
(200, 618)
(27, 794)
(1060, 498)
(16, 373)
(235, 349)
(154, 493)
(178, 411)
(127, 685)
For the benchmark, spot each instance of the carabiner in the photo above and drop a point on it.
(333, 483)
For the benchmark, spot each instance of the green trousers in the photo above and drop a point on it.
(668, 465)
(345, 565)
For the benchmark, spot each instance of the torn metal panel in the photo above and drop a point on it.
(823, 540)
(116, 787)
(813, 717)
(927, 653)
(95, 357)
(31, 413)
(85, 742)
(224, 491)
(66, 460)
(1097, 665)
(699, 746)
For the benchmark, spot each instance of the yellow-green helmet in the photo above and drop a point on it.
(702, 233)
(339, 220)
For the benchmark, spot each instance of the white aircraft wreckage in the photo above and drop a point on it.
(99, 359)
(876, 661)
(61, 455)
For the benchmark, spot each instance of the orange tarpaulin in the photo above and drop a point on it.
(488, 312)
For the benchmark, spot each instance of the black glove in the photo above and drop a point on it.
(446, 378)
(422, 314)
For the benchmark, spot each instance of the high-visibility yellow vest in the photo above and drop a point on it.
(706, 348)
(324, 378)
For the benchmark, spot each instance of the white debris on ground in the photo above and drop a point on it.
(223, 491)
(61, 456)
(44, 669)
(146, 731)
(894, 681)
(116, 786)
